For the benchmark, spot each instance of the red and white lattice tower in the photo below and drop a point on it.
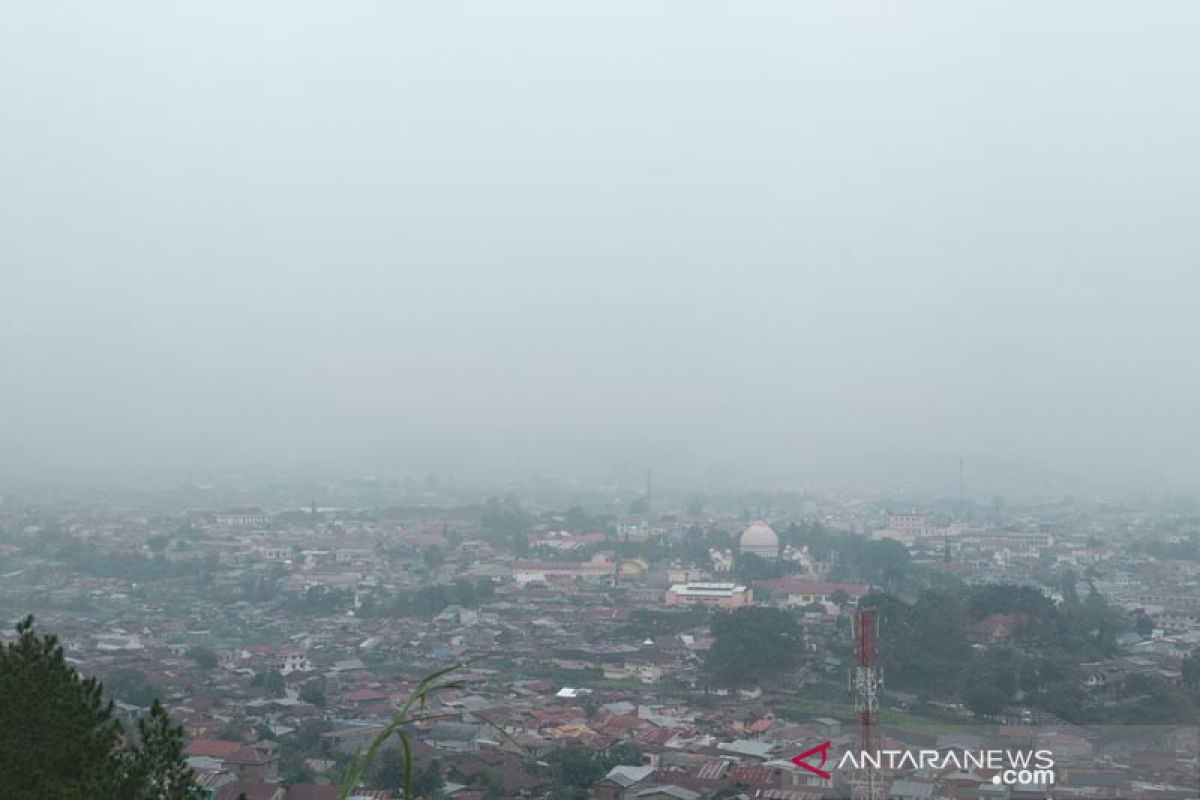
(865, 682)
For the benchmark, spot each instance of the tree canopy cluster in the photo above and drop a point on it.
(431, 599)
(926, 646)
(60, 739)
(753, 645)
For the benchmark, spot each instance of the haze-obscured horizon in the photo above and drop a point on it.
(780, 242)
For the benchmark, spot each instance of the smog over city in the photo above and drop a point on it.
(611, 401)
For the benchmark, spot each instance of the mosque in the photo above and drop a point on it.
(760, 540)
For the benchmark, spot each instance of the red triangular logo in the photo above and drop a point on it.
(800, 761)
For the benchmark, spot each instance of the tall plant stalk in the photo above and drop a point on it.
(411, 712)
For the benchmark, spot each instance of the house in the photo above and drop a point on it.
(247, 762)
(291, 660)
(667, 792)
(350, 738)
(457, 736)
(792, 592)
(717, 595)
(528, 571)
(619, 780)
(247, 517)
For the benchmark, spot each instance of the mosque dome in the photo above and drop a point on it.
(760, 540)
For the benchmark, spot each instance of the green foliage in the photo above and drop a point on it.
(1063, 699)
(307, 739)
(427, 779)
(387, 772)
(751, 568)
(1191, 670)
(411, 712)
(205, 657)
(1187, 549)
(575, 766)
(57, 735)
(271, 682)
(491, 784)
(60, 741)
(157, 768)
(1142, 624)
(884, 562)
(985, 700)
(234, 731)
(1162, 705)
(88, 558)
(433, 556)
(820, 542)
(505, 524)
(1006, 598)
(314, 693)
(292, 769)
(132, 687)
(696, 543)
(433, 599)
(924, 644)
(578, 520)
(622, 753)
(649, 623)
(753, 645)
(320, 600)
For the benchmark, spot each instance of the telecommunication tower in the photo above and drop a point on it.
(865, 682)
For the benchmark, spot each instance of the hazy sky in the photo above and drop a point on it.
(791, 241)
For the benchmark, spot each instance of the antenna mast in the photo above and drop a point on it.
(865, 682)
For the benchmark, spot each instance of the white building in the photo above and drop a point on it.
(760, 540)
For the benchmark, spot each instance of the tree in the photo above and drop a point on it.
(1191, 670)
(491, 784)
(427, 779)
(387, 772)
(57, 734)
(313, 693)
(128, 685)
(575, 765)
(157, 767)
(885, 561)
(984, 700)
(205, 657)
(840, 597)
(60, 741)
(623, 753)
(272, 683)
(433, 557)
(234, 731)
(924, 644)
(752, 645)
(293, 769)
(1064, 700)
(308, 738)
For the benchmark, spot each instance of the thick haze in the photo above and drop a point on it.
(780, 242)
